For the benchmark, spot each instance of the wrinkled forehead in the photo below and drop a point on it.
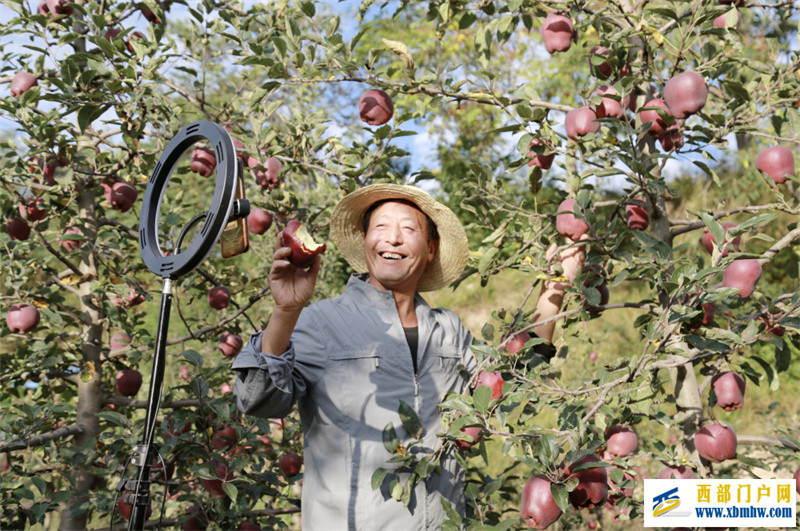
(399, 209)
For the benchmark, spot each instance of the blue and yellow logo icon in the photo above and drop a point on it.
(665, 502)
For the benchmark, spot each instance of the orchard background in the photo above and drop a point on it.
(473, 87)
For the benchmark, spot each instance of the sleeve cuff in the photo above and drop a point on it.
(279, 368)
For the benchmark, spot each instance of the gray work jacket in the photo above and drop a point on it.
(348, 366)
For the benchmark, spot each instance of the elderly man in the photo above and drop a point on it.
(349, 361)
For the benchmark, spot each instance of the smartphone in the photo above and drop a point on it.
(235, 237)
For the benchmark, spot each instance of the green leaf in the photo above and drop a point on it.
(39, 483)
(193, 357)
(231, 490)
(88, 114)
(466, 20)
(559, 493)
(390, 440)
(377, 478)
(397, 490)
(410, 420)
(481, 398)
(308, 8)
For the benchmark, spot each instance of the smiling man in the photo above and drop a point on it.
(348, 361)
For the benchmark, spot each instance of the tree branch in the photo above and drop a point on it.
(43, 438)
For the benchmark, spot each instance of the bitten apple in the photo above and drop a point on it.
(538, 507)
(22, 83)
(621, 440)
(219, 297)
(742, 274)
(581, 121)
(290, 464)
(685, 94)
(715, 442)
(777, 162)
(21, 318)
(304, 249)
(729, 388)
(493, 380)
(128, 382)
(708, 239)
(230, 344)
(567, 224)
(259, 221)
(592, 488)
(375, 107)
(557, 33)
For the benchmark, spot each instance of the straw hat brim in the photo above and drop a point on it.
(347, 221)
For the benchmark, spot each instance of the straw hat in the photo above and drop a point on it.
(347, 222)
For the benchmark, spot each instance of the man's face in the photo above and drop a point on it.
(397, 247)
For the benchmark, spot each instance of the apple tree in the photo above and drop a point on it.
(658, 135)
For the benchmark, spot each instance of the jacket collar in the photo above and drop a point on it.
(383, 299)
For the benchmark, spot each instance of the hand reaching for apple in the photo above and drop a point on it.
(571, 259)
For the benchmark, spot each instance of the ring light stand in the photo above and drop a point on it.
(224, 207)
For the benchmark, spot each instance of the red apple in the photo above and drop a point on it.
(225, 389)
(42, 8)
(601, 70)
(658, 125)
(214, 486)
(729, 388)
(592, 489)
(638, 218)
(22, 82)
(290, 464)
(557, 33)
(224, 438)
(709, 309)
(777, 162)
(476, 432)
(685, 94)
(21, 318)
(157, 474)
(540, 159)
(198, 520)
(581, 121)
(259, 221)
(610, 107)
(493, 380)
(219, 297)
(267, 178)
(128, 382)
(538, 507)
(621, 440)
(770, 325)
(676, 472)
(516, 343)
(708, 239)
(203, 161)
(123, 195)
(68, 244)
(18, 229)
(624, 490)
(592, 356)
(797, 480)
(111, 33)
(719, 22)
(48, 171)
(375, 107)
(567, 224)
(715, 442)
(119, 341)
(742, 274)
(150, 15)
(672, 138)
(31, 208)
(248, 526)
(230, 344)
(304, 249)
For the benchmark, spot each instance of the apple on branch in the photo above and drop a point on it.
(721, 22)
(580, 122)
(610, 107)
(375, 107)
(557, 33)
(219, 297)
(128, 382)
(18, 229)
(540, 159)
(715, 442)
(267, 177)
(603, 69)
(538, 508)
(259, 221)
(21, 318)
(304, 249)
(709, 240)
(474, 435)
(119, 341)
(676, 472)
(658, 126)
(493, 380)
(22, 82)
(214, 485)
(70, 244)
(777, 162)
(567, 224)
(621, 441)
(729, 388)
(224, 437)
(685, 94)
(290, 464)
(637, 216)
(32, 210)
(203, 161)
(230, 344)
(742, 274)
(592, 488)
